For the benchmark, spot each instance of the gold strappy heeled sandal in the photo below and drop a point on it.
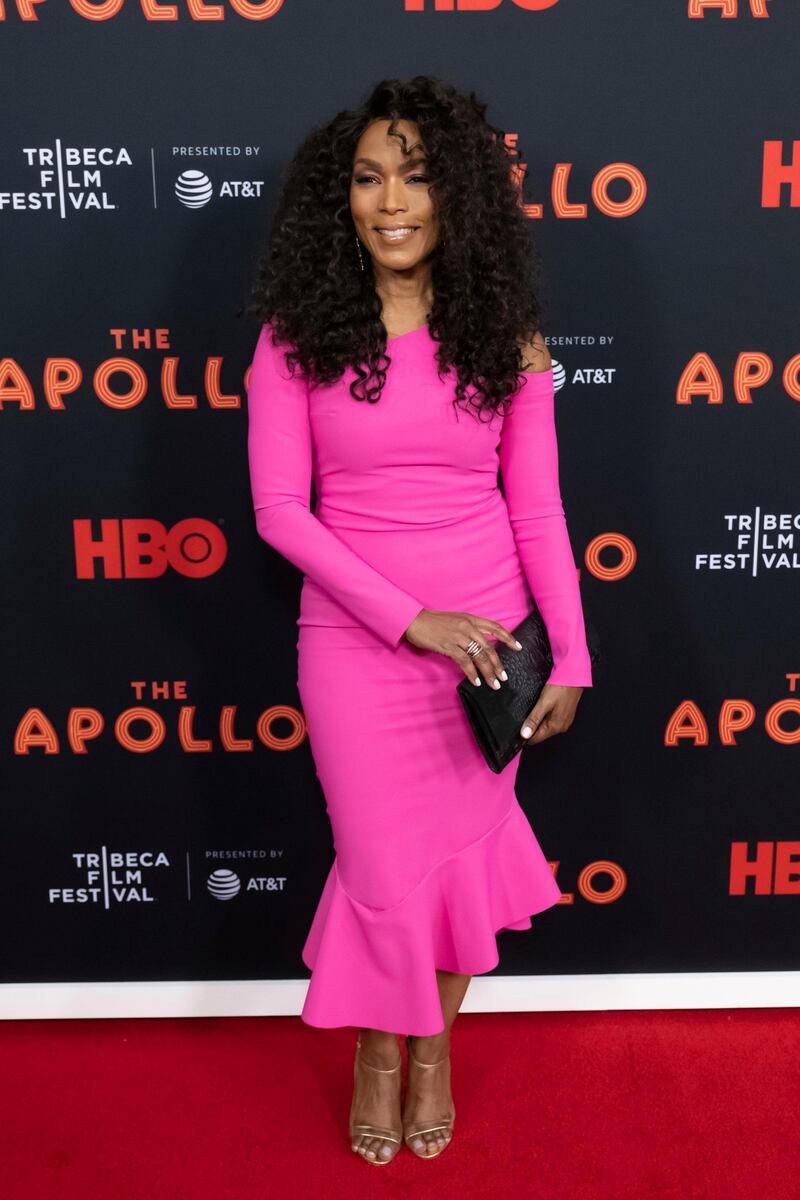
(362, 1130)
(445, 1123)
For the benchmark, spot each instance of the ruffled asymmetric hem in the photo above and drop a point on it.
(376, 968)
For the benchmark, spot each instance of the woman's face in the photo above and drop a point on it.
(391, 191)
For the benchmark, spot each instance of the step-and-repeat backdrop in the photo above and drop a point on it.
(161, 817)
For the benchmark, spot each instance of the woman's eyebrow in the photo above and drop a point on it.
(411, 162)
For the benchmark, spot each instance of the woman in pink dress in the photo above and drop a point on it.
(399, 364)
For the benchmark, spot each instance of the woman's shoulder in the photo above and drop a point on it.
(535, 354)
(270, 357)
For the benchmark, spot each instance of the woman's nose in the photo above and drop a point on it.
(392, 195)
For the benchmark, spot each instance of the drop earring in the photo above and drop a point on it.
(358, 248)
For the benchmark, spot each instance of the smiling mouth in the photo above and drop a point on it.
(396, 235)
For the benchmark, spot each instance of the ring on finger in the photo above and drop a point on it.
(474, 648)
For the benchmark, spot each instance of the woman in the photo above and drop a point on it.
(398, 321)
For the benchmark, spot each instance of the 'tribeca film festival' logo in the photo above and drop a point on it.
(760, 541)
(68, 180)
(111, 877)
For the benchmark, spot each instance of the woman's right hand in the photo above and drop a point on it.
(451, 632)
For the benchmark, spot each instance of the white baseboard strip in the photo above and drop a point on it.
(496, 993)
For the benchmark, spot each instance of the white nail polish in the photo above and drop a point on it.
(504, 675)
(519, 645)
(526, 731)
(477, 682)
(495, 684)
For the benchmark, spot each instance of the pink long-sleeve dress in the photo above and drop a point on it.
(433, 854)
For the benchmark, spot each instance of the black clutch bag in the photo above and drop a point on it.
(497, 714)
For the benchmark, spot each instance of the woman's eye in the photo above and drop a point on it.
(411, 178)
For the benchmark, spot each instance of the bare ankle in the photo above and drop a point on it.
(379, 1048)
(431, 1048)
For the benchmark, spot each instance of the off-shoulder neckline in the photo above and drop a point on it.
(398, 337)
(418, 329)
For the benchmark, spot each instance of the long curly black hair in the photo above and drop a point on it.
(485, 267)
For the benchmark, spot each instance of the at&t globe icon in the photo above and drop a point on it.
(224, 884)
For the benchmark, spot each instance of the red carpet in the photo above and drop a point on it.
(568, 1106)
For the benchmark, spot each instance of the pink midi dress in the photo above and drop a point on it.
(433, 853)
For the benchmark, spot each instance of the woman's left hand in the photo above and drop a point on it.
(553, 712)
